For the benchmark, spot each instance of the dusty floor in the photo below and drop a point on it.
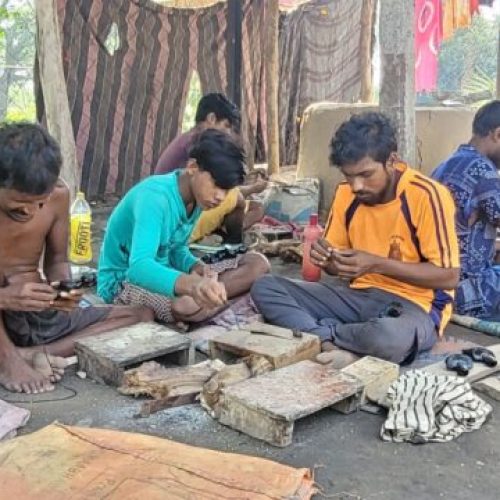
(348, 458)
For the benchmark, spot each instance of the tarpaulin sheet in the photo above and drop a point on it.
(59, 462)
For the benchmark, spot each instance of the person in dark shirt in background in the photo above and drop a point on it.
(235, 214)
(471, 174)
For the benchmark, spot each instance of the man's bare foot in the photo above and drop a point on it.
(51, 367)
(17, 375)
(327, 346)
(186, 310)
(336, 358)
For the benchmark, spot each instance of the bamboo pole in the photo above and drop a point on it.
(55, 95)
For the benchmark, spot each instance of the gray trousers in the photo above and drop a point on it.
(368, 322)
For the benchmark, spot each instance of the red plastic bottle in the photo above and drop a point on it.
(312, 232)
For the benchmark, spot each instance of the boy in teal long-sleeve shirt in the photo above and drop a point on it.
(145, 259)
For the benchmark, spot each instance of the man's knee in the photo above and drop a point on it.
(257, 263)
(261, 288)
(386, 339)
(137, 314)
(144, 314)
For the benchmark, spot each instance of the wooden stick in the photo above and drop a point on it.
(155, 405)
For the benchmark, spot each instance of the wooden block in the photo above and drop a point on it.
(375, 374)
(155, 405)
(267, 406)
(281, 348)
(105, 357)
(489, 386)
(157, 381)
(479, 370)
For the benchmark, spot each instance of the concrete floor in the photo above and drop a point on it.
(348, 458)
(345, 452)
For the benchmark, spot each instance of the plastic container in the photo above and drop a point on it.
(312, 233)
(80, 251)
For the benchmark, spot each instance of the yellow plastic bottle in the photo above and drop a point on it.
(80, 251)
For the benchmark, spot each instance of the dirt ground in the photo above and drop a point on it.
(348, 458)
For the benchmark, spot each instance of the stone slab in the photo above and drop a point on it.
(489, 386)
(104, 357)
(278, 345)
(267, 406)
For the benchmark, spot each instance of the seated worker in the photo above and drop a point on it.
(34, 215)
(390, 236)
(145, 259)
(233, 215)
(472, 177)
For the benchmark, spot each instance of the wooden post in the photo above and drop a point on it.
(365, 48)
(397, 53)
(498, 65)
(235, 15)
(271, 58)
(54, 89)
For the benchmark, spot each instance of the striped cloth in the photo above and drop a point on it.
(431, 408)
(128, 65)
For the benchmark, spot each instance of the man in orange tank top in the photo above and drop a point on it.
(390, 238)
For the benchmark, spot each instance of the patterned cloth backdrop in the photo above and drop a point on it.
(319, 61)
(127, 104)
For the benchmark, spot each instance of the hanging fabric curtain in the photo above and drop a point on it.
(428, 35)
(458, 14)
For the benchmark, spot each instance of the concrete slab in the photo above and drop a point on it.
(489, 386)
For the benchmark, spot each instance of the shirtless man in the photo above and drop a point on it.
(35, 324)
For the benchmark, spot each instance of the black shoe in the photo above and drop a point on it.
(482, 355)
(459, 363)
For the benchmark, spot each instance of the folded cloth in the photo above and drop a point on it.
(431, 408)
(11, 418)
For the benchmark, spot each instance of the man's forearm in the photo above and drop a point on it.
(58, 272)
(423, 274)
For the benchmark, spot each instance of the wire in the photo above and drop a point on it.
(73, 393)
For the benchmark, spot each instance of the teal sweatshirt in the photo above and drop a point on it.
(147, 237)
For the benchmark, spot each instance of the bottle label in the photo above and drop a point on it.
(81, 240)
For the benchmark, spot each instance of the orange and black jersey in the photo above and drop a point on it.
(417, 226)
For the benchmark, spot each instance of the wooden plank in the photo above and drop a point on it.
(155, 405)
(489, 386)
(478, 372)
(104, 357)
(262, 406)
(278, 350)
(397, 87)
(157, 381)
(55, 95)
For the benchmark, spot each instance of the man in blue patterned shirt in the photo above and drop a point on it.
(472, 177)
